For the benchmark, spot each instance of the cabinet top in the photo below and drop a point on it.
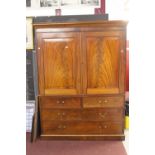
(105, 23)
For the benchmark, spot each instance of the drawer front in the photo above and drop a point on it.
(53, 102)
(62, 114)
(92, 102)
(106, 114)
(77, 128)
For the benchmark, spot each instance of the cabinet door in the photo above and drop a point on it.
(103, 72)
(58, 63)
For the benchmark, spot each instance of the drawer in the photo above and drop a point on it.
(77, 128)
(59, 102)
(92, 102)
(62, 114)
(106, 114)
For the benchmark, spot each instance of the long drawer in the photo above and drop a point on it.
(100, 102)
(48, 102)
(106, 114)
(76, 128)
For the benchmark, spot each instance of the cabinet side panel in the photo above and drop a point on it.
(40, 67)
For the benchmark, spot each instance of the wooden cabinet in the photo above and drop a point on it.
(81, 77)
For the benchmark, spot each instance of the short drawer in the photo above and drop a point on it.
(59, 102)
(92, 102)
(78, 128)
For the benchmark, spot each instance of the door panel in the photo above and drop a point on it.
(60, 54)
(102, 53)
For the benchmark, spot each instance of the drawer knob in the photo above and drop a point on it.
(58, 113)
(58, 101)
(63, 113)
(63, 101)
(100, 127)
(105, 101)
(99, 101)
(64, 127)
(59, 126)
(105, 126)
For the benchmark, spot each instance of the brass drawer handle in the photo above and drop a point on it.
(60, 102)
(63, 114)
(104, 101)
(105, 126)
(102, 115)
(61, 127)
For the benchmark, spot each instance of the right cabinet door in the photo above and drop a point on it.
(103, 62)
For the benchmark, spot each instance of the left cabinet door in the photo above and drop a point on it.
(58, 57)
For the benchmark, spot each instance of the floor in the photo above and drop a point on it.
(126, 142)
(41, 147)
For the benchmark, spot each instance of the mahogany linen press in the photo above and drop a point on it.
(81, 80)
